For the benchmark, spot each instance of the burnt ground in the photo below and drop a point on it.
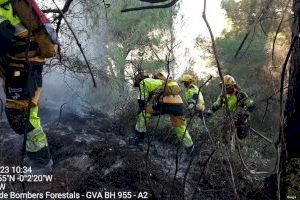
(91, 153)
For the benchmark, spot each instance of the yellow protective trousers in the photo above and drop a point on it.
(36, 138)
(22, 110)
(178, 122)
(26, 121)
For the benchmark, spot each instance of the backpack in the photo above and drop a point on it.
(171, 88)
(35, 20)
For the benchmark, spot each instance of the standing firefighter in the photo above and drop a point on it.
(194, 98)
(25, 44)
(167, 101)
(239, 104)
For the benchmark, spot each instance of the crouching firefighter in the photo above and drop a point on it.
(25, 45)
(167, 101)
(239, 104)
(193, 97)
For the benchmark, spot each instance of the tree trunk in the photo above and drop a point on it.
(291, 165)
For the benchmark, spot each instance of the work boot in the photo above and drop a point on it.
(189, 150)
(40, 161)
(192, 150)
(37, 168)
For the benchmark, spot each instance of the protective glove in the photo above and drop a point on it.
(158, 91)
(191, 106)
(190, 110)
(251, 108)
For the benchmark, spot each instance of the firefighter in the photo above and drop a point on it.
(165, 93)
(21, 68)
(194, 98)
(239, 104)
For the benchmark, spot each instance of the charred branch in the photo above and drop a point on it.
(167, 5)
(78, 44)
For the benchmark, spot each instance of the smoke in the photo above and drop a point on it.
(70, 91)
(62, 89)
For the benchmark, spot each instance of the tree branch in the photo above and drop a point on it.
(251, 171)
(217, 60)
(78, 43)
(63, 10)
(167, 5)
(261, 135)
(267, 102)
(232, 179)
(61, 13)
(51, 11)
(203, 171)
(278, 29)
(262, 13)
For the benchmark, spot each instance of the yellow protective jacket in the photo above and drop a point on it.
(167, 92)
(148, 87)
(194, 96)
(236, 102)
(18, 50)
(6, 13)
(165, 95)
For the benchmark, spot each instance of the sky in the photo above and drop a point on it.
(192, 25)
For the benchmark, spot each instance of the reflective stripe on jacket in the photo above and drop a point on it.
(236, 101)
(18, 50)
(193, 95)
(148, 86)
(6, 13)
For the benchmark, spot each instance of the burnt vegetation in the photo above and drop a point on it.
(90, 148)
